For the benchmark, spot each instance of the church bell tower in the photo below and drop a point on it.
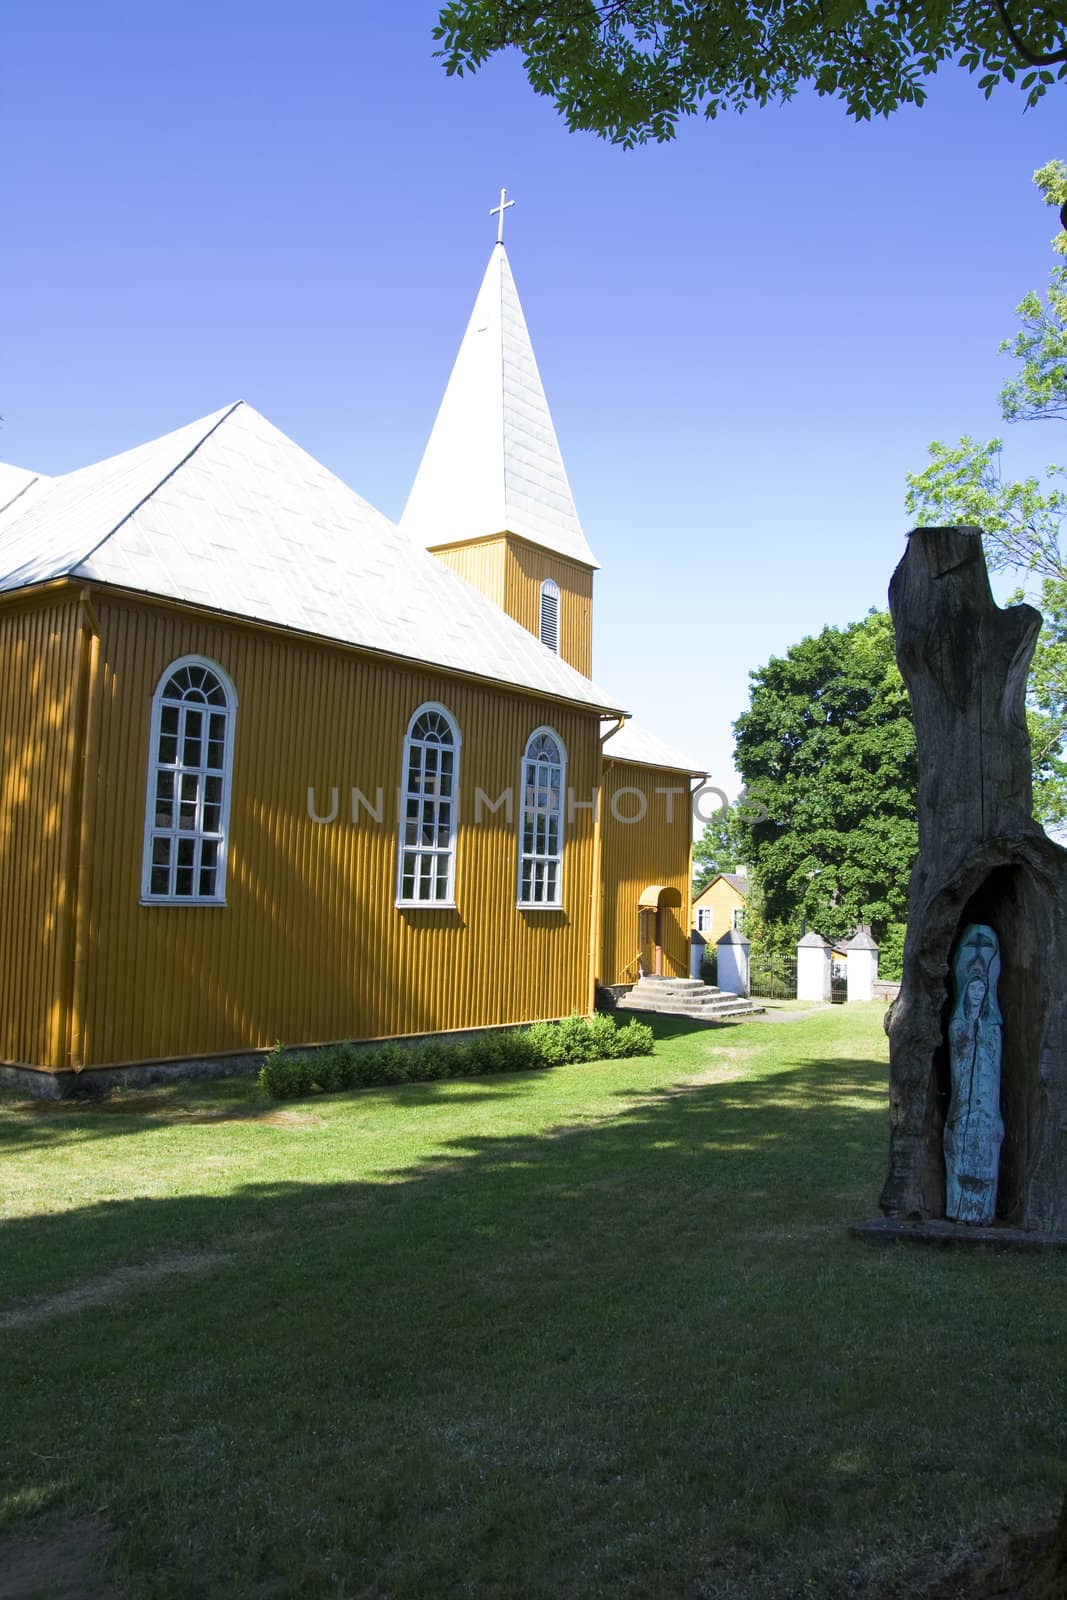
(491, 498)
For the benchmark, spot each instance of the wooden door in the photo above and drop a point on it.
(646, 932)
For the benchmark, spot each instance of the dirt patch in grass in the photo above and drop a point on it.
(109, 1286)
(726, 1066)
(64, 1563)
(725, 1071)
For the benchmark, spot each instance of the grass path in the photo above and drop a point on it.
(586, 1333)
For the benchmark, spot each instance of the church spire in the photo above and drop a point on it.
(493, 465)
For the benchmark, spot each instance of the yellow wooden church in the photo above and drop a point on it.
(277, 768)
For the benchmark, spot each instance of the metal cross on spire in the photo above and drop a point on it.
(499, 211)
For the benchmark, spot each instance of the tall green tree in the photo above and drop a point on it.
(630, 69)
(1022, 520)
(828, 747)
(721, 847)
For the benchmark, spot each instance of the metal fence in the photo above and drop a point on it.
(772, 978)
(838, 983)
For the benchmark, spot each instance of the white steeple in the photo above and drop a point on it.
(493, 464)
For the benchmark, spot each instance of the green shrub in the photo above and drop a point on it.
(285, 1077)
(334, 1068)
(545, 1044)
(465, 1061)
(482, 1056)
(519, 1051)
(577, 1039)
(636, 1039)
(603, 1037)
(550, 1047)
(267, 1076)
(434, 1061)
(396, 1064)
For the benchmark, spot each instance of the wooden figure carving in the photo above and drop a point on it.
(973, 1127)
(983, 860)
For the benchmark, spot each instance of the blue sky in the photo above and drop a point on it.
(748, 336)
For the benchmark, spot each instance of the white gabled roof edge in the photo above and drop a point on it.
(635, 743)
(72, 516)
(17, 481)
(230, 515)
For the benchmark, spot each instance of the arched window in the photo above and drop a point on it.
(189, 766)
(426, 873)
(549, 629)
(544, 766)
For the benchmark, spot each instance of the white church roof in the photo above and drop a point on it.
(16, 481)
(493, 463)
(634, 742)
(229, 514)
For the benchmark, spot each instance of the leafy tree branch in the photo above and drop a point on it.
(630, 70)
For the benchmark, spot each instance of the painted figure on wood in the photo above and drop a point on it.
(974, 1129)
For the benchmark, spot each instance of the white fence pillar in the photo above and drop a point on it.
(861, 966)
(733, 963)
(814, 957)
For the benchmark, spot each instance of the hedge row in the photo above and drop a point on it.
(545, 1044)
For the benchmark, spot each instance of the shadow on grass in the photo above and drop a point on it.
(636, 1356)
(30, 1124)
(33, 1124)
(846, 1084)
(812, 1110)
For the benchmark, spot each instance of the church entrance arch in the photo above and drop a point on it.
(652, 907)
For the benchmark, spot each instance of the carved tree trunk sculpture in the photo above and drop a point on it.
(982, 859)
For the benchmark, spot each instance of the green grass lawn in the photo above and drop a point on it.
(591, 1332)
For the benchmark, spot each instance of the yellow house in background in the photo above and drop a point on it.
(721, 905)
(277, 768)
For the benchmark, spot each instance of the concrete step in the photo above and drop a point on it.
(736, 1013)
(729, 1014)
(691, 1010)
(700, 996)
(686, 997)
(687, 985)
(640, 992)
(710, 1006)
(684, 1005)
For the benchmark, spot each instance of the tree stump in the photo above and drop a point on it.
(982, 859)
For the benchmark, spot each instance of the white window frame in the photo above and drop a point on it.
(543, 858)
(403, 848)
(737, 919)
(549, 591)
(176, 833)
(705, 919)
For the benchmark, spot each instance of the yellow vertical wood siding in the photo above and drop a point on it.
(481, 564)
(527, 568)
(638, 854)
(43, 675)
(310, 945)
(510, 572)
